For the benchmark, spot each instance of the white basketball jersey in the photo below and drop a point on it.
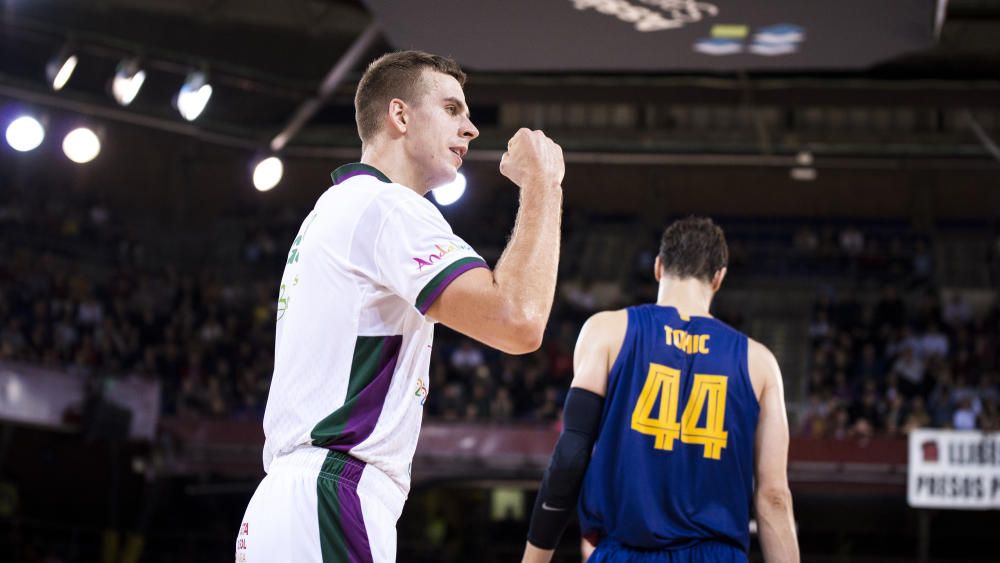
(352, 346)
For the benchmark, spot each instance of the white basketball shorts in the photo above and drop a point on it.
(322, 506)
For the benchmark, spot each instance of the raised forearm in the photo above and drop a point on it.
(508, 307)
(527, 270)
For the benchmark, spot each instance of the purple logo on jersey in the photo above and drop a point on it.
(436, 257)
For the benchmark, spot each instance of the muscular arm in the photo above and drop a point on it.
(596, 348)
(772, 497)
(509, 307)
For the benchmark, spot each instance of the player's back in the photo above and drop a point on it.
(673, 462)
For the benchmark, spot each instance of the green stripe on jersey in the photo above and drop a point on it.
(364, 368)
(357, 169)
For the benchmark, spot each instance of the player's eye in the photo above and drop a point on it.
(451, 109)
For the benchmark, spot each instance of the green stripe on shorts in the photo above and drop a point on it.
(331, 533)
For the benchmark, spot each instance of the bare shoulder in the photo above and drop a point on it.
(607, 321)
(597, 348)
(605, 329)
(760, 356)
(764, 370)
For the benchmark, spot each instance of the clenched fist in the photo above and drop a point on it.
(533, 161)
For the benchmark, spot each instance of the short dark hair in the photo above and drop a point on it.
(395, 75)
(693, 247)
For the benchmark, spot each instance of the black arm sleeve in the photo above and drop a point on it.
(561, 485)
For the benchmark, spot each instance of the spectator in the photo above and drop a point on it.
(868, 408)
(965, 416)
(923, 265)
(894, 416)
(581, 296)
(963, 392)
(842, 389)
(90, 311)
(987, 390)
(841, 428)
(940, 401)
(917, 417)
(910, 369)
(467, 357)
(989, 420)
(819, 327)
(812, 420)
(933, 343)
(956, 311)
(852, 242)
(502, 407)
(869, 366)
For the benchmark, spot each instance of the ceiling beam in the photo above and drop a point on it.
(308, 108)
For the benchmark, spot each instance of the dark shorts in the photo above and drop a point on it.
(610, 551)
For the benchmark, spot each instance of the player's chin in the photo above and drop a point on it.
(449, 172)
(445, 177)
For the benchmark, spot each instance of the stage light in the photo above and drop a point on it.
(267, 173)
(25, 133)
(60, 68)
(450, 192)
(194, 95)
(81, 145)
(127, 81)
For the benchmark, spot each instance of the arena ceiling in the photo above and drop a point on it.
(919, 80)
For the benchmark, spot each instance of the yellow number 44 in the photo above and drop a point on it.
(659, 418)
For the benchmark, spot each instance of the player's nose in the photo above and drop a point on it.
(468, 130)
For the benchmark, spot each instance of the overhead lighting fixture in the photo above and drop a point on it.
(194, 95)
(60, 68)
(127, 81)
(81, 145)
(25, 133)
(267, 173)
(450, 192)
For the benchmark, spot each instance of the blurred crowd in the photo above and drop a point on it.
(887, 364)
(209, 344)
(79, 296)
(208, 341)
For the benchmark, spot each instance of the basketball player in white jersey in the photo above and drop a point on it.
(373, 267)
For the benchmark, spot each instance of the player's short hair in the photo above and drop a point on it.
(693, 247)
(395, 75)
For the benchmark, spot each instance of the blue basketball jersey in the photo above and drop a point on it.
(673, 462)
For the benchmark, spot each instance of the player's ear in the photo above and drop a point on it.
(397, 116)
(658, 269)
(717, 279)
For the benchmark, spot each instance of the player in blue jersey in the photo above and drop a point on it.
(674, 425)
